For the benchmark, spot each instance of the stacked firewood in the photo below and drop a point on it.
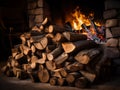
(112, 24)
(52, 54)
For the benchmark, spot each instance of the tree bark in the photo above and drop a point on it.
(77, 46)
(71, 36)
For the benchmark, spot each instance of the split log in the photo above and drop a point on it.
(81, 82)
(53, 81)
(77, 46)
(34, 59)
(56, 73)
(74, 67)
(33, 49)
(43, 59)
(62, 81)
(90, 76)
(56, 52)
(71, 36)
(43, 75)
(55, 29)
(63, 72)
(34, 66)
(50, 65)
(50, 48)
(26, 49)
(71, 77)
(35, 39)
(41, 44)
(28, 43)
(25, 67)
(15, 70)
(59, 38)
(111, 23)
(85, 56)
(60, 59)
(21, 59)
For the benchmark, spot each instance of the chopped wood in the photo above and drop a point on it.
(41, 44)
(85, 56)
(43, 59)
(63, 72)
(62, 81)
(50, 65)
(60, 59)
(59, 38)
(43, 75)
(74, 67)
(53, 81)
(81, 82)
(90, 76)
(56, 52)
(79, 45)
(71, 36)
(55, 29)
(50, 48)
(71, 77)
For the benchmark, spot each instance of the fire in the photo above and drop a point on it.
(78, 18)
(85, 24)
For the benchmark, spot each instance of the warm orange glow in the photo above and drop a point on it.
(79, 18)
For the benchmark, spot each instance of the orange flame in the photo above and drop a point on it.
(80, 18)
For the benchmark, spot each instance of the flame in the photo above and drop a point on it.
(78, 18)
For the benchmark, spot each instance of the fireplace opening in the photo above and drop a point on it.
(61, 9)
(69, 13)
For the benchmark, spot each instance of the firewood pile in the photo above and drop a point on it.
(52, 54)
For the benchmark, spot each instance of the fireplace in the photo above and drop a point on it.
(60, 46)
(59, 11)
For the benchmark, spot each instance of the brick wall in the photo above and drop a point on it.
(37, 11)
